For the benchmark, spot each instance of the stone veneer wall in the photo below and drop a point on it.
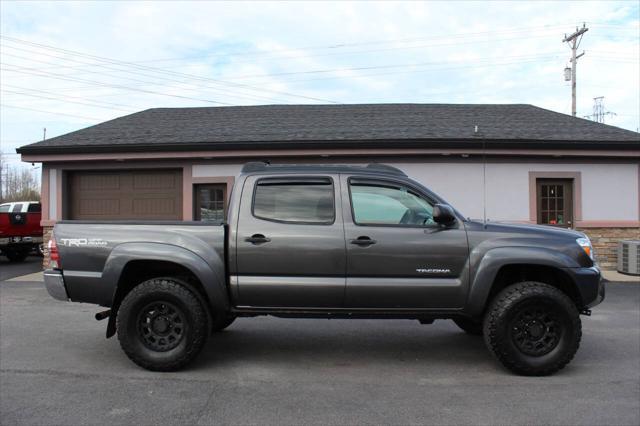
(605, 243)
(45, 240)
(604, 240)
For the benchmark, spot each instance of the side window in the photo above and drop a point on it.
(34, 208)
(388, 204)
(5, 208)
(308, 201)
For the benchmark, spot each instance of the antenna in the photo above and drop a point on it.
(484, 175)
(484, 182)
(44, 133)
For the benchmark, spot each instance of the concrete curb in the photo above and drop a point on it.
(620, 278)
(36, 276)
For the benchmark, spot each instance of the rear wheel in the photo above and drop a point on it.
(16, 255)
(469, 326)
(162, 326)
(532, 328)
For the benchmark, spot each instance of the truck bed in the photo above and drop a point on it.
(89, 249)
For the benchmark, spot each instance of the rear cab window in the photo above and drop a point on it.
(295, 200)
(34, 208)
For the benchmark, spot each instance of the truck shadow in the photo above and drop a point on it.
(341, 342)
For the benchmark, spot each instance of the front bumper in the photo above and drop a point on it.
(590, 285)
(54, 282)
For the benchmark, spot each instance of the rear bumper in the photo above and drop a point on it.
(590, 285)
(18, 241)
(54, 282)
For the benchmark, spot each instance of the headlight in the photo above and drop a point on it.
(585, 243)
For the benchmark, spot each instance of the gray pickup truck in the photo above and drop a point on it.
(330, 242)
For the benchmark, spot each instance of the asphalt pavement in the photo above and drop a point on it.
(56, 367)
(10, 270)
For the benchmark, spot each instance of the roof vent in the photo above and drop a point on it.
(629, 257)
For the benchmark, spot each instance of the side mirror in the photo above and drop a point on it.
(443, 214)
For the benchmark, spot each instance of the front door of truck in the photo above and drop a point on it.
(397, 256)
(290, 242)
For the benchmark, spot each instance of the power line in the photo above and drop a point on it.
(159, 70)
(420, 64)
(27, 70)
(63, 100)
(195, 88)
(474, 66)
(50, 112)
(341, 45)
(66, 96)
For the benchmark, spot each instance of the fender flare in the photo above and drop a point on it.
(210, 272)
(495, 259)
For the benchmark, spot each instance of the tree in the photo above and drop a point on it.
(17, 183)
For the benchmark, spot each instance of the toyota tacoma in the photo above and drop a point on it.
(312, 241)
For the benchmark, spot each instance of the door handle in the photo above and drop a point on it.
(363, 241)
(257, 239)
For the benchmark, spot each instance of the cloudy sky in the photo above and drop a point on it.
(67, 66)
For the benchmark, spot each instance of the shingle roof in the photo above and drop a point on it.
(296, 126)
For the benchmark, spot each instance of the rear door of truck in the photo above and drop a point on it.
(290, 242)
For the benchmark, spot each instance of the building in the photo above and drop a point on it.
(519, 163)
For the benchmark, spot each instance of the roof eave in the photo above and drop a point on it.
(342, 143)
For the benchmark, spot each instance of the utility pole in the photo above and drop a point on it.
(574, 42)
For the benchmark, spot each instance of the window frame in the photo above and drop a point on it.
(568, 185)
(300, 180)
(394, 184)
(30, 205)
(19, 207)
(196, 201)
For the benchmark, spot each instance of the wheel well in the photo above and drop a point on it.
(139, 271)
(511, 274)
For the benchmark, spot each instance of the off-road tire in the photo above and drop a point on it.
(16, 256)
(222, 321)
(503, 321)
(133, 328)
(469, 326)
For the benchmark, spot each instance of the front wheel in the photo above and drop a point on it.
(532, 328)
(162, 326)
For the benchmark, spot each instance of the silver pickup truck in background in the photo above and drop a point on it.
(330, 242)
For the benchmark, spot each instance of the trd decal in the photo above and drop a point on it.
(83, 242)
